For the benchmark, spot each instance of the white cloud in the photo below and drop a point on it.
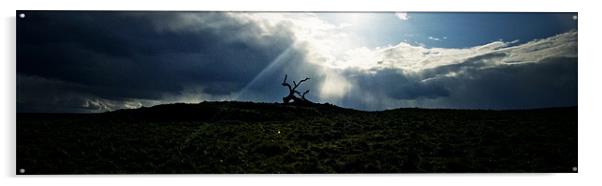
(345, 25)
(402, 16)
(411, 58)
(321, 39)
(437, 38)
(434, 38)
(99, 105)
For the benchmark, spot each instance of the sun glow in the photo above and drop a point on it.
(356, 20)
(334, 86)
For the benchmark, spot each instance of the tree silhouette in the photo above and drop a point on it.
(293, 90)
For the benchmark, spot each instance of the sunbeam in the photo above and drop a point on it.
(277, 61)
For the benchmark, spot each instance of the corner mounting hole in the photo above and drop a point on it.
(22, 15)
(21, 171)
(575, 169)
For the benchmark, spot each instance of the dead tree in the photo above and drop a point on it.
(292, 90)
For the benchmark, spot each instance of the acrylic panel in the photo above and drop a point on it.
(174, 92)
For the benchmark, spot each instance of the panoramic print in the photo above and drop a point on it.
(174, 92)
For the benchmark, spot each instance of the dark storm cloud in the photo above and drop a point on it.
(551, 82)
(396, 85)
(141, 55)
(48, 95)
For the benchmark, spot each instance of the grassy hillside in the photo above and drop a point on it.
(236, 137)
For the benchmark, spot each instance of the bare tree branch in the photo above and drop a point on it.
(284, 83)
(303, 96)
(297, 85)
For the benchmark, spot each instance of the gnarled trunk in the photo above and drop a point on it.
(292, 91)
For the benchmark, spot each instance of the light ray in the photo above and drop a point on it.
(277, 61)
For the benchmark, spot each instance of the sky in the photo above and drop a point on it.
(98, 61)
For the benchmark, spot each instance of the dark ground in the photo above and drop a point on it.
(235, 137)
